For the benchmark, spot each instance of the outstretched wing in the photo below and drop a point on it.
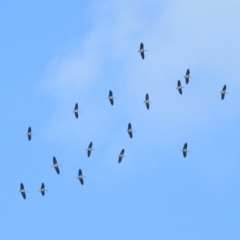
(188, 72)
(21, 186)
(57, 170)
(110, 93)
(43, 186)
(23, 195)
(142, 55)
(130, 134)
(224, 88)
(79, 172)
(129, 126)
(185, 146)
(180, 90)
(54, 161)
(184, 154)
(146, 97)
(141, 46)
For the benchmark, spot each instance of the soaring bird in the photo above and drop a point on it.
(187, 76)
(223, 92)
(75, 111)
(179, 87)
(110, 97)
(120, 156)
(184, 150)
(55, 165)
(42, 189)
(89, 149)
(29, 133)
(80, 176)
(147, 102)
(130, 131)
(22, 191)
(141, 50)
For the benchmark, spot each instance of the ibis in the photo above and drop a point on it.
(147, 102)
(55, 165)
(110, 97)
(75, 111)
(130, 131)
(141, 50)
(80, 176)
(42, 190)
(22, 191)
(89, 149)
(223, 92)
(179, 87)
(187, 76)
(184, 150)
(29, 134)
(120, 156)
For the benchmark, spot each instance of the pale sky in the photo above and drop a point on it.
(58, 53)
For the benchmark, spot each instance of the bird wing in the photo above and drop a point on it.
(141, 46)
(130, 134)
(122, 152)
(119, 159)
(79, 172)
(21, 186)
(81, 181)
(223, 95)
(29, 130)
(29, 137)
(90, 145)
(180, 90)
(24, 195)
(142, 55)
(88, 153)
(185, 146)
(43, 193)
(224, 87)
(111, 101)
(188, 73)
(76, 107)
(147, 105)
(57, 170)
(147, 97)
(76, 114)
(179, 83)
(187, 79)
(43, 186)
(184, 154)
(54, 161)
(129, 126)
(110, 93)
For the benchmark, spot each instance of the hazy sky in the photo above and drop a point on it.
(56, 53)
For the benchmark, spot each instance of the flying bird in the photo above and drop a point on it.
(130, 131)
(147, 102)
(89, 149)
(184, 150)
(223, 92)
(120, 156)
(55, 165)
(187, 76)
(75, 111)
(141, 50)
(80, 176)
(42, 189)
(110, 97)
(179, 87)
(29, 134)
(22, 191)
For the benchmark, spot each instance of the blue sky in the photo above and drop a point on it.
(57, 53)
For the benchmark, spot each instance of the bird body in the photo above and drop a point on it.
(22, 191)
(55, 165)
(223, 92)
(110, 97)
(75, 111)
(130, 131)
(89, 149)
(121, 155)
(147, 102)
(141, 50)
(179, 87)
(187, 76)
